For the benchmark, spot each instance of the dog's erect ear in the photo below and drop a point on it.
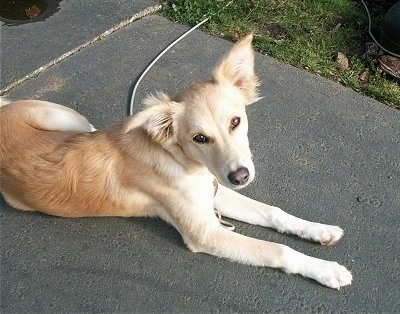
(238, 69)
(157, 119)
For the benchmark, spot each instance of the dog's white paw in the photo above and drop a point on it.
(332, 275)
(324, 234)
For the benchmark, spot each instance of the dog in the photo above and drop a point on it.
(178, 159)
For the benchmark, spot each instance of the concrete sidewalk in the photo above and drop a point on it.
(321, 151)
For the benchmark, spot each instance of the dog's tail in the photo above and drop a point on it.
(4, 101)
(47, 116)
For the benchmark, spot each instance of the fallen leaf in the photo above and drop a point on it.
(32, 11)
(390, 65)
(364, 76)
(341, 61)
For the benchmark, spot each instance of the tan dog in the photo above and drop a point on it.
(161, 162)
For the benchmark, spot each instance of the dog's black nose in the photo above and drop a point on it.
(240, 176)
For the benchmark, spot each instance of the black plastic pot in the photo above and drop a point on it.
(390, 29)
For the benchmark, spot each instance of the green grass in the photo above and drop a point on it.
(304, 33)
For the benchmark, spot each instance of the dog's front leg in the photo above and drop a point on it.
(224, 243)
(234, 205)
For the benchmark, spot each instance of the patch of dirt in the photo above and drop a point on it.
(274, 29)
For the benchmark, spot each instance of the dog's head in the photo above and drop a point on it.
(208, 120)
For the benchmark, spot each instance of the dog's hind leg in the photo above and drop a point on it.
(236, 206)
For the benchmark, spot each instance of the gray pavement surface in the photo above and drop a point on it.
(322, 152)
(31, 46)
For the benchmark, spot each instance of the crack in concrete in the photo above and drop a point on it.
(137, 16)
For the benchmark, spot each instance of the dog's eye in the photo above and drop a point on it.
(200, 138)
(235, 122)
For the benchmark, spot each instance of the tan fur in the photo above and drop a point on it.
(155, 164)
